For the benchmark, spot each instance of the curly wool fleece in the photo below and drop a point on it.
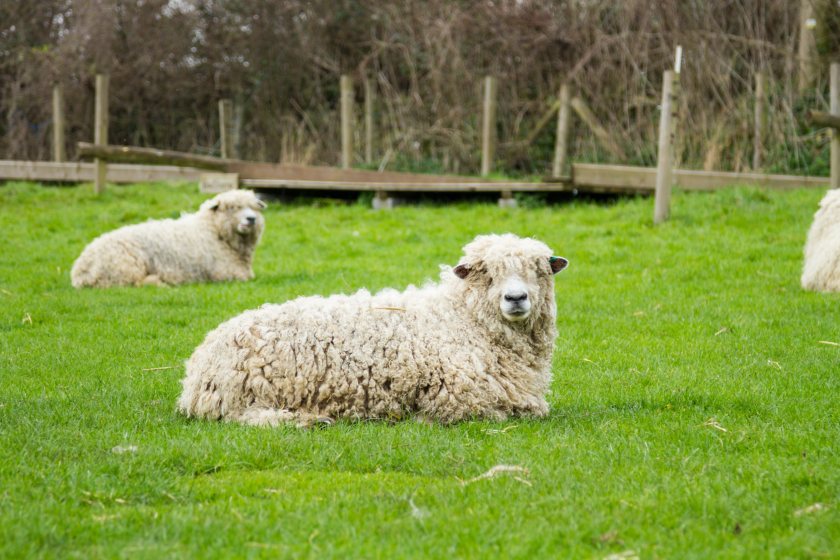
(478, 344)
(215, 244)
(821, 272)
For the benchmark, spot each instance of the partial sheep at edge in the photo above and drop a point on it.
(821, 272)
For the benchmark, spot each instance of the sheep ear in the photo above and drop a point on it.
(211, 204)
(557, 264)
(261, 205)
(461, 271)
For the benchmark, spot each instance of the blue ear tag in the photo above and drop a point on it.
(557, 264)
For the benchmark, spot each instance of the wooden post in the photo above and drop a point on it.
(561, 142)
(225, 120)
(506, 199)
(236, 131)
(383, 201)
(152, 156)
(100, 130)
(760, 119)
(488, 133)
(368, 120)
(834, 97)
(807, 45)
(820, 118)
(346, 121)
(550, 113)
(59, 153)
(664, 164)
(601, 134)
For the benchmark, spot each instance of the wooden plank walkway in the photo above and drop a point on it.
(464, 185)
(593, 178)
(643, 179)
(77, 172)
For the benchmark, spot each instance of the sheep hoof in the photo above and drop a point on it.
(305, 420)
(425, 420)
(152, 280)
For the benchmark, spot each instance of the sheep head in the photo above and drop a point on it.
(510, 278)
(236, 215)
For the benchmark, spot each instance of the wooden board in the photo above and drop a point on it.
(253, 169)
(276, 171)
(462, 186)
(75, 172)
(617, 179)
(712, 180)
(149, 156)
(633, 179)
(643, 179)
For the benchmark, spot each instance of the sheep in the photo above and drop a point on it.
(821, 272)
(477, 344)
(214, 244)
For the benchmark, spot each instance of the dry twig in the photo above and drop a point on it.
(713, 423)
(500, 469)
(813, 508)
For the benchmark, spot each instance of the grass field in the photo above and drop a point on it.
(695, 412)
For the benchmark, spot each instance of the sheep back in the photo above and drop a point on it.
(821, 270)
(361, 356)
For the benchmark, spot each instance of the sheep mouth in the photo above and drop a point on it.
(516, 314)
(244, 229)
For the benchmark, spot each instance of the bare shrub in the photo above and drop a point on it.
(170, 62)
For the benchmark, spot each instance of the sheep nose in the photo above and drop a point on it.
(251, 219)
(516, 296)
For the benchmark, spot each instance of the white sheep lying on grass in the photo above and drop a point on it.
(478, 344)
(215, 244)
(821, 272)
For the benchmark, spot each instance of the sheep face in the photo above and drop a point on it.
(516, 297)
(236, 214)
(509, 277)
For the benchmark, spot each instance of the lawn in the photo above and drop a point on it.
(695, 403)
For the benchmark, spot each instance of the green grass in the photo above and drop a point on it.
(668, 337)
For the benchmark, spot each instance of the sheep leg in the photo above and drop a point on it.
(273, 417)
(152, 280)
(537, 408)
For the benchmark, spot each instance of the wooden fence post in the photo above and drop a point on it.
(601, 134)
(59, 153)
(760, 119)
(236, 130)
(835, 133)
(664, 164)
(100, 130)
(225, 118)
(382, 200)
(488, 132)
(561, 141)
(807, 45)
(346, 121)
(368, 120)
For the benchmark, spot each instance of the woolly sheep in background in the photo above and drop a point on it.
(478, 344)
(212, 245)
